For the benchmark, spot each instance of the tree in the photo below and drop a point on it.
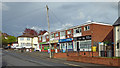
(11, 39)
(30, 31)
(8, 39)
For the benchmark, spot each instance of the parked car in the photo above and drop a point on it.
(7, 47)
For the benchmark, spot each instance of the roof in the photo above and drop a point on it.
(117, 22)
(26, 35)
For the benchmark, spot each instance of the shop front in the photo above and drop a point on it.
(44, 46)
(55, 46)
(82, 43)
(66, 44)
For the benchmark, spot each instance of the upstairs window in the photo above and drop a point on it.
(39, 37)
(28, 38)
(21, 38)
(47, 36)
(69, 31)
(62, 33)
(86, 28)
(77, 30)
(43, 38)
(56, 34)
(52, 35)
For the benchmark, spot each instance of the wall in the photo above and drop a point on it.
(95, 54)
(59, 55)
(25, 41)
(116, 38)
(99, 32)
(96, 60)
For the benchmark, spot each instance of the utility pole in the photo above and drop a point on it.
(49, 31)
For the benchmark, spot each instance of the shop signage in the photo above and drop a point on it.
(43, 43)
(65, 40)
(83, 38)
(54, 41)
(56, 38)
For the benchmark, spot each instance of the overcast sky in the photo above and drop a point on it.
(16, 16)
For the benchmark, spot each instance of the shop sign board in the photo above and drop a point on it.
(94, 48)
(43, 42)
(83, 38)
(54, 41)
(65, 40)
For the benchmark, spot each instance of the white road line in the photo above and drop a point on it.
(71, 64)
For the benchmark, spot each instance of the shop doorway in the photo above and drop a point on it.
(78, 49)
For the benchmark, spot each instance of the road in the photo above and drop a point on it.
(11, 58)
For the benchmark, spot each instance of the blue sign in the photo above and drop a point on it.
(65, 40)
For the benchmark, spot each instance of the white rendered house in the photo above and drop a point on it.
(117, 37)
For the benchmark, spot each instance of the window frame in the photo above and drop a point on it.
(69, 31)
(86, 28)
(28, 39)
(21, 38)
(118, 45)
(62, 33)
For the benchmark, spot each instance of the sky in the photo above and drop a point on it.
(16, 16)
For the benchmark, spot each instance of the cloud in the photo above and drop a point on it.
(67, 25)
(80, 16)
(3, 6)
(36, 28)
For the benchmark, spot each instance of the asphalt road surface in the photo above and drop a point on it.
(13, 59)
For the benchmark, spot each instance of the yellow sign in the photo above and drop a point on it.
(94, 48)
(54, 41)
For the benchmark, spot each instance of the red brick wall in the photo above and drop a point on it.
(59, 55)
(95, 54)
(96, 60)
(99, 32)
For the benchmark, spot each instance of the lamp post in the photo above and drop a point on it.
(49, 31)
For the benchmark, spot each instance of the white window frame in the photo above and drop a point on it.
(69, 31)
(86, 28)
(56, 34)
(62, 33)
(28, 39)
(21, 38)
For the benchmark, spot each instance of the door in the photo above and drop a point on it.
(78, 49)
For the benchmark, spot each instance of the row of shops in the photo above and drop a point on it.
(82, 43)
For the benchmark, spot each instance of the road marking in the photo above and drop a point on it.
(71, 64)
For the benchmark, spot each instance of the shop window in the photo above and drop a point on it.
(85, 45)
(69, 45)
(117, 45)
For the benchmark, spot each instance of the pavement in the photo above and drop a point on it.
(16, 58)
